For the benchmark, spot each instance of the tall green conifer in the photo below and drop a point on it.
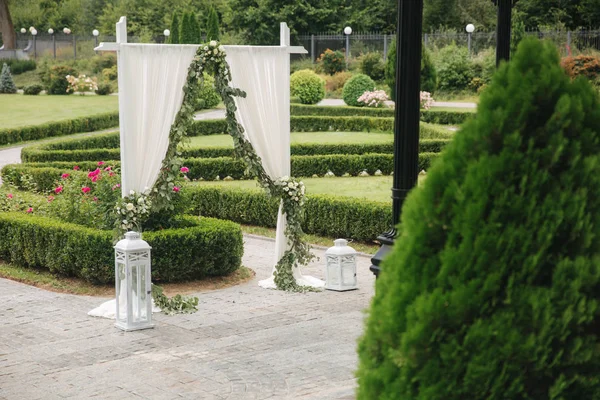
(492, 290)
(174, 37)
(212, 29)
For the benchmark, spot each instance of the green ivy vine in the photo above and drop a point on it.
(210, 58)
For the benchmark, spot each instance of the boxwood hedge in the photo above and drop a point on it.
(210, 168)
(200, 247)
(61, 128)
(346, 217)
(431, 116)
(47, 154)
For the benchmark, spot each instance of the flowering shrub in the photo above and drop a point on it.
(376, 98)
(426, 100)
(81, 84)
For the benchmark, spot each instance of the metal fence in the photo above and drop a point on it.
(566, 41)
(61, 46)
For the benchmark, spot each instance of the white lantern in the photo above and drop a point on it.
(23, 30)
(166, 32)
(50, 31)
(348, 30)
(341, 267)
(95, 32)
(133, 284)
(470, 28)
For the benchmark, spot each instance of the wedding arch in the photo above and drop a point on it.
(157, 88)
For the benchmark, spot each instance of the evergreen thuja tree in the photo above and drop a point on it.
(492, 290)
(197, 32)
(174, 38)
(212, 28)
(6, 81)
(186, 31)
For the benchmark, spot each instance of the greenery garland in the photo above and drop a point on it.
(210, 58)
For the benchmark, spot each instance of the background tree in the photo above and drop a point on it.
(428, 71)
(174, 37)
(195, 26)
(492, 290)
(212, 28)
(439, 14)
(186, 31)
(9, 37)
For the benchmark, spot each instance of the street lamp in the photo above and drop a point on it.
(96, 33)
(167, 33)
(406, 117)
(470, 29)
(347, 32)
(51, 33)
(34, 34)
(23, 30)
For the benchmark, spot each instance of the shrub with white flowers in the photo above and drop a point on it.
(426, 100)
(81, 84)
(376, 98)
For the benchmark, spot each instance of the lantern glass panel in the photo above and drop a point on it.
(122, 292)
(135, 293)
(333, 269)
(143, 309)
(348, 271)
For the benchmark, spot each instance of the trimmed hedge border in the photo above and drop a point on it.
(44, 174)
(212, 247)
(357, 219)
(60, 128)
(431, 115)
(40, 154)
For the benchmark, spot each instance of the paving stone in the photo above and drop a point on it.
(245, 342)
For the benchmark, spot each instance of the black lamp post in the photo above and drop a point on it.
(406, 117)
(503, 29)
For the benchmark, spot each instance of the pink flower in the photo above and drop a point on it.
(96, 172)
(30, 210)
(50, 198)
(111, 173)
(76, 168)
(58, 190)
(65, 176)
(101, 163)
(108, 168)
(185, 170)
(85, 189)
(95, 198)
(175, 189)
(10, 196)
(118, 185)
(95, 178)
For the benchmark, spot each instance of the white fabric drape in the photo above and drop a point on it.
(151, 79)
(264, 73)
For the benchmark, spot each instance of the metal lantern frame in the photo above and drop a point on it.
(340, 268)
(133, 275)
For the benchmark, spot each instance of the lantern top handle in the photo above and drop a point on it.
(340, 242)
(132, 235)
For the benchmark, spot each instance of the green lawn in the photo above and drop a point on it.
(17, 110)
(376, 188)
(301, 137)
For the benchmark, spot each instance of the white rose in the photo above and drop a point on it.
(132, 192)
(213, 43)
(296, 198)
(290, 185)
(216, 51)
(286, 188)
(130, 206)
(205, 47)
(124, 222)
(222, 49)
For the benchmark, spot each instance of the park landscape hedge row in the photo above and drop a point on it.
(430, 116)
(47, 154)
(60, 128)
(331, 216)
(303, 119)
(199, 248)
(210, 168)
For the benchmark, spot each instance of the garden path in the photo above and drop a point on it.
(244, 343)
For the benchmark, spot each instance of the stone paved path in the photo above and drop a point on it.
(245, 342)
